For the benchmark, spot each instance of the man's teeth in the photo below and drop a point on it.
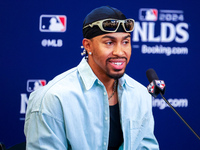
(118, 63)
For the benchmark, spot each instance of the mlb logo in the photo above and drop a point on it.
(53, 23)
(150, 87)
(148, 14)
(33, 85)
(160, 84)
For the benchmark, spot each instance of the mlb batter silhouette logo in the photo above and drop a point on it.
(33, 85)
(53, 23)
(148, 14)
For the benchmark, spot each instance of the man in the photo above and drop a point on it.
(94, 106)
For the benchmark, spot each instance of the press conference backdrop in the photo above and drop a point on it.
(42, 38)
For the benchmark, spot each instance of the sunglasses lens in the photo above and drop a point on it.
(110, 25)
(129, 25)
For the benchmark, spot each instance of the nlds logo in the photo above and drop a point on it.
(53, 23)
(168, 24)
(33, 85)
(146, 14)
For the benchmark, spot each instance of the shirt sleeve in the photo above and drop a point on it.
(45, 132)
(43, 129)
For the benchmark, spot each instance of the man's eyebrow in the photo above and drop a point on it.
(112, 37)
(107, 36)
(127, 36)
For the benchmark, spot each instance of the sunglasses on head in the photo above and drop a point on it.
(112, 25)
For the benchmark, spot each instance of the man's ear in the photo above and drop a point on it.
(87, 44)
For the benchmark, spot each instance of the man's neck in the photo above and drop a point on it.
(109, 84)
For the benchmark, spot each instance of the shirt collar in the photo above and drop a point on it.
(125, 80)
(86, 74)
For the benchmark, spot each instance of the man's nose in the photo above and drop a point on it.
(118, 50)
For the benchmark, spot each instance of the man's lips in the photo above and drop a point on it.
(117, 64)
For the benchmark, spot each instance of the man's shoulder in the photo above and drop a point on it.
(54, 87)
(63, 76)
(60, 80)
(138, 91)
(133, 83)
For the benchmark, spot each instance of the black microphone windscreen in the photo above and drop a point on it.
(151, 75)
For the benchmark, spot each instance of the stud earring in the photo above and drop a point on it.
(90, 53)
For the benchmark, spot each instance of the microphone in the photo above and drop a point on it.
(156, 87)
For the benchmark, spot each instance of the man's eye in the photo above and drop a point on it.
(109, 43)
(125, 42)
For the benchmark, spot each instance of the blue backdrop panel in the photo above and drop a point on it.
(41, 39)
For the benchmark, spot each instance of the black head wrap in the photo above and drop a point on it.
(101, 13)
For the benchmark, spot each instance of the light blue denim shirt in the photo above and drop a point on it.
(72, 112)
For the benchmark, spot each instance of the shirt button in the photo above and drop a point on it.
(104, 93)
(104, 143)
(106, 118)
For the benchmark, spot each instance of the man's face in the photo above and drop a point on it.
(110, 54)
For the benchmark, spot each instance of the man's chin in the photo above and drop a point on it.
(116, 76)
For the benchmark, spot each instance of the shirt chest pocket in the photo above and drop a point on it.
(136, 132)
